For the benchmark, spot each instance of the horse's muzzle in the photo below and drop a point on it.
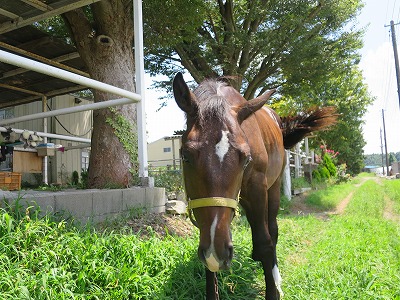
(215, 262)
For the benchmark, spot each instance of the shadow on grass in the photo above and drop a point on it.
(188, 281)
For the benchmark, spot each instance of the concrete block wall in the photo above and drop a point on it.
(89, 205)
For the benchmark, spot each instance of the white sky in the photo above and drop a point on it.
(378, 69)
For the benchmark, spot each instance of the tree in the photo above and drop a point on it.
(263, 43)
(392, 158)
(103, 36)
(305, 49)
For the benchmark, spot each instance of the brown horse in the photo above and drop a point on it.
(232, 145)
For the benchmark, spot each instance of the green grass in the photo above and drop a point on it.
(351, 256)
(329, 198)
(392, 189)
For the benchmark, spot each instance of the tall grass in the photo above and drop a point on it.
(351, 256)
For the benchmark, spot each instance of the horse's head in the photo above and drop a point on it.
(215, 152)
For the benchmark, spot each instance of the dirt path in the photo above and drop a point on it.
(299, 207)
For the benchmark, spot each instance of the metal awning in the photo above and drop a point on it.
(20, 86)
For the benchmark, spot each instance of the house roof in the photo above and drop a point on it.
(20, 86)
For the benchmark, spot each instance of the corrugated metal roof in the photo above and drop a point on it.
(15, 31)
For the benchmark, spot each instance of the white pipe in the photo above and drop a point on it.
(140, 88)
(50, 135)
(68, 110)
(45, 159)
(39, 67)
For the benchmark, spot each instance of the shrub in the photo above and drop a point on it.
(75, 178)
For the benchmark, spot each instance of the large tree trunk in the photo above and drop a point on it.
(106, 47)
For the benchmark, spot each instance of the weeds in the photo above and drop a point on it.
(349, 256)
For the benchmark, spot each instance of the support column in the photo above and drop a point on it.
(45, 158)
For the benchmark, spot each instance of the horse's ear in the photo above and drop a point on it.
(251, 106)
(183, 96)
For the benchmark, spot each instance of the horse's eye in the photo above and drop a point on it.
(185, 156)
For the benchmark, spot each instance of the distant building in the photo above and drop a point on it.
(164, 152)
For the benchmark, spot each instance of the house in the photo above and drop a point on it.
(164, 152)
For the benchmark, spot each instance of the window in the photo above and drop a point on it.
(85, 160)
(167, 149)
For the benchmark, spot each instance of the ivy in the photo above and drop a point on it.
(126, 133)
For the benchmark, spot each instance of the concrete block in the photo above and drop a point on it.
(79, 205)
(107, 201)
(156, 199)
(133, 197)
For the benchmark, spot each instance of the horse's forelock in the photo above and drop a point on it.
(211, 104)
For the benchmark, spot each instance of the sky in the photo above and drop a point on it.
(377, 64)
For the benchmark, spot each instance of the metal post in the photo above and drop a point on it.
(45, 158)
(286, 180)
(297, 162)
(140, 88)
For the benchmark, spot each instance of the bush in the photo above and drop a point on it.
(171, 180)
(75, 178)
(330, 166)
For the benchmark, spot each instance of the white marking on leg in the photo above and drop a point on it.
(277, 279)
(211, 260)
(221, 149)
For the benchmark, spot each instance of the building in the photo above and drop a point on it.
(68, 156)
(164, 152)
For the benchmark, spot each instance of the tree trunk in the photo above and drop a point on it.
(105, 45)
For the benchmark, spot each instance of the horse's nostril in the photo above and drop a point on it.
(202, 254)
(230, 252)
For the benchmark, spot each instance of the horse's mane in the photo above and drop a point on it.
(210, 103)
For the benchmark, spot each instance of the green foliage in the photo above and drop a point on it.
(267, 45)
(330, 166)
(351, 256)
(392, 158)
(75, 178)
(84, 178)
(127, 135)
(170, 179)
(299, 182)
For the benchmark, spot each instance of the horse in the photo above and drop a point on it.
(233, 146)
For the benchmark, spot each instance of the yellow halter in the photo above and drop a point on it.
(209, 202)
(212, 201)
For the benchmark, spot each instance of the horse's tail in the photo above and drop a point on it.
(295, 128)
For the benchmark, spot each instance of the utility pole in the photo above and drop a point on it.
(384, 137)
(396, 57)
(383, 164)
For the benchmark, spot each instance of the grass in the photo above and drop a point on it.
(329, 198)
(351, 256)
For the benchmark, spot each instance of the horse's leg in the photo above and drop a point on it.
(211, 285)
(274, 194)
(263, 242)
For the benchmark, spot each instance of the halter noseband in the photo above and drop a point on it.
(212, 201)
(209, 202)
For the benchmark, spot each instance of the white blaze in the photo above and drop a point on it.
(221, 149)
(277, 279)
(211, 260)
